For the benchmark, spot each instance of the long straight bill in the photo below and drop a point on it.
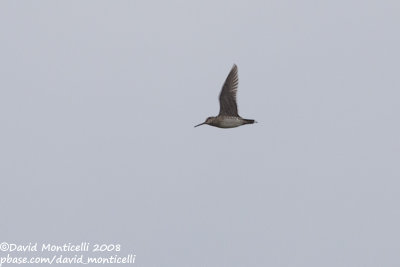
(200, 124)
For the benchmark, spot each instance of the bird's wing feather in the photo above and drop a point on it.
(227, 97)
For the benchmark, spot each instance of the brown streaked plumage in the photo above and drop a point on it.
(228, 116)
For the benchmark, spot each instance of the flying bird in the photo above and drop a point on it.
(228, 116)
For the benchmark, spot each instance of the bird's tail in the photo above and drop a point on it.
(249, 121)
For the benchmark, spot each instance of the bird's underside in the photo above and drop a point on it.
(230, 122)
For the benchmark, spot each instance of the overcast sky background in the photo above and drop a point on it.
(98, 100)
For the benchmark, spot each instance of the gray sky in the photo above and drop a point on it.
(98, 100)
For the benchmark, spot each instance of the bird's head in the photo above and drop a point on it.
(209, 120)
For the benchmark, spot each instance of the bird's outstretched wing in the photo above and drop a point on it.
(227, 97)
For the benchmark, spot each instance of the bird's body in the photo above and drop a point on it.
(228, 116)
(228, 121)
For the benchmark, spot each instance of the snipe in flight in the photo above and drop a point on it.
(228, 116)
